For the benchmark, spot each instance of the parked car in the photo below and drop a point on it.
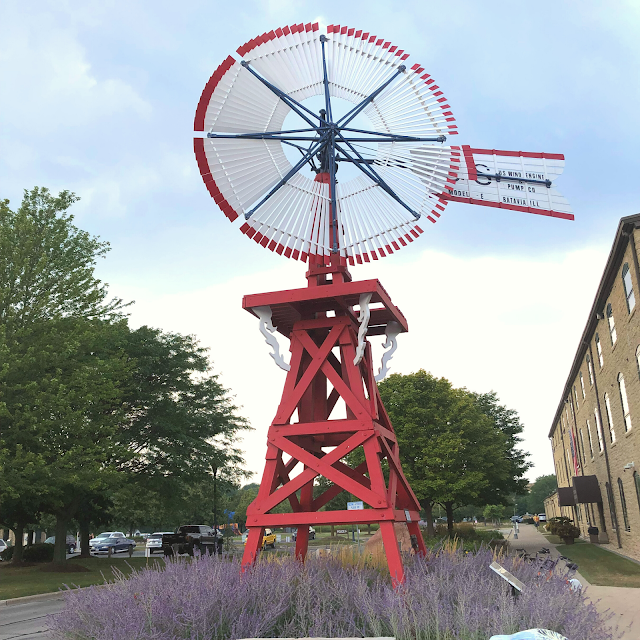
(516, 519)
(113, 543)
(99, 539)
(268, 539)
(71, 543)
(154, 540)
(543, 517)
(3, 546)
(312, 533)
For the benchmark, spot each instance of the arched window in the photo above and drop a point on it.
(599, 430)
(607, 405)
(628, 288)
(612, 507)
(590, 368)
(591, 441)
(582, 385)
(636, 482)
(623, 504)
(612, 324)
(625, 403)
(599, 350)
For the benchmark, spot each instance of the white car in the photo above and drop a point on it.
(543, 517)
(3, 546)
(154, 541)
(103, 536)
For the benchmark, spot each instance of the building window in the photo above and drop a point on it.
(612, 507)
(575, 396)
(591, 441)
(599, 350)
(638, 359)
(612, 431)
(590, 369)
(623, 504)
(584, 395)
(636, 482)
(599, 431)
(612, 325)
(582, 447)
(625, 403)
(628, 288)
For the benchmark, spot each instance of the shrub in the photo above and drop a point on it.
(566, 530)
(554, 523)
(38, 553)
(7, 554)
(448, 595)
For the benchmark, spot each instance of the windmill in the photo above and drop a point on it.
(401, 176)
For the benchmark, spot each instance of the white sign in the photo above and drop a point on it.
(505, 575)
(355, 506)
(517, 180)
(340, 531)
(407, 515)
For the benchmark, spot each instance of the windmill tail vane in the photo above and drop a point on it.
(406, 176)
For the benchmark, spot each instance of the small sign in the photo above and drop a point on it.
(278, 537)
(505, 575)
(355, 506)
(341, 531)
(407, 515)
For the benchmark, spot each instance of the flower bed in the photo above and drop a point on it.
(447, 596)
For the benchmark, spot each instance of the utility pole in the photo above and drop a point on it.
(215, 497)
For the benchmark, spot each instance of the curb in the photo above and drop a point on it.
(26, 599)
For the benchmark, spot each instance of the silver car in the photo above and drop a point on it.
(154, 541)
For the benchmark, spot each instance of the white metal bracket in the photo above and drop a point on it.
(363, 319)
(391, 344)
(267, 330)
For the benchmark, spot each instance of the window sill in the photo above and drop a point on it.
(632, 312)
(626, 435)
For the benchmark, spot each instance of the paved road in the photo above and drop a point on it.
(28, 621)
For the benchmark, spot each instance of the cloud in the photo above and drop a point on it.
(48, 81)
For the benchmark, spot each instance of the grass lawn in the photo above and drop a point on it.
(27, 581)
(601, 567)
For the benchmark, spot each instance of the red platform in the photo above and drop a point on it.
(322, 327)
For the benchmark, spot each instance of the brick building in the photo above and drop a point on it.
(596, 447)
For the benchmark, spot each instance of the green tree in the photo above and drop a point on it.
(494, 512)
(451, 450)
(542, 488)
(55, 377)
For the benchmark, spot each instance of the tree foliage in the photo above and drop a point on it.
(86, 403)
(456, 447)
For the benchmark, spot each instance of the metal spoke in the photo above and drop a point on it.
(369, 171)
(327, 97)
(358, 108)
(320, 145)
(397, 137)
(287, 99)
(258, 136)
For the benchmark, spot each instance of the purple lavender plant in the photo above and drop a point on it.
(445, 597)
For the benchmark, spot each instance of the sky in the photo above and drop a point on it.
(99, 98)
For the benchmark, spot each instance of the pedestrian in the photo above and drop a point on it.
(536, 520)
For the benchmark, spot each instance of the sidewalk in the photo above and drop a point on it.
(623, 602)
